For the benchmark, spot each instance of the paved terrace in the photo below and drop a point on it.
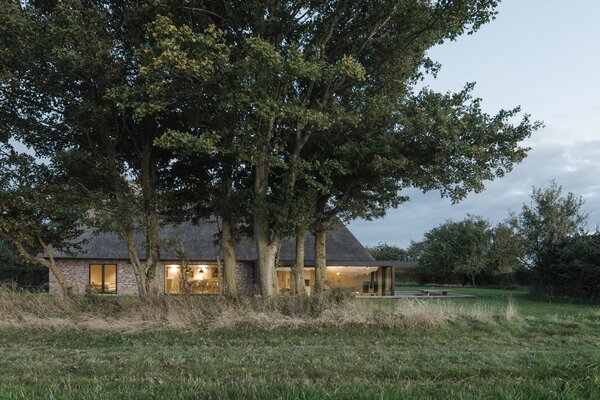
(422, 294)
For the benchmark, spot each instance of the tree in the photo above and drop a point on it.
(71, 74)
(457, 247)
(13, 270)
(285, 96)
(38, 213)
(364, 168)
(414, 251)
(548, 220)
(552, 229)
(573, 270)
(506, 250)
(182, 72)
(309, 73)
(384, 251)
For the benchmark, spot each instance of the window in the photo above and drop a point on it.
(285, 279)
(363, 281)
(195, 279)
(103, 278)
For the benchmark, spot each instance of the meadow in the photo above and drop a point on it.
(502, 345)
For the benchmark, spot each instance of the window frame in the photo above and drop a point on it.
(103, 265)
(200, 264)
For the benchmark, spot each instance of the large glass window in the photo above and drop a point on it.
(194, 279)
(103, 278)
(285, 279)
(363, 281)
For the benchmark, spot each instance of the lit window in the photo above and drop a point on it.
(196, 279)
(103, 278)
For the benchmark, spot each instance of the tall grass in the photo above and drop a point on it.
(334, 309)
(511, 309)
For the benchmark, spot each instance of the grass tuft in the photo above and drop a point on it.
(511, 310)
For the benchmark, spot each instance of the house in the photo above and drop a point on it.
(102, 264)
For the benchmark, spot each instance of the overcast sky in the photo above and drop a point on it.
(545, 56)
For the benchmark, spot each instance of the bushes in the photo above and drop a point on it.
(571, 269)
(471, 250)
(14, 272)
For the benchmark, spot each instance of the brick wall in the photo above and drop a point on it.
(76, 273)
(244, 277)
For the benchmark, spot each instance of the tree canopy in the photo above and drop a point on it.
(548, 220)
(38, 213)
(384, 251)
(277, 117)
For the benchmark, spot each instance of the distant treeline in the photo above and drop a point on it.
(545, 246)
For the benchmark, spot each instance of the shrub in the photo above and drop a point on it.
(571, 269)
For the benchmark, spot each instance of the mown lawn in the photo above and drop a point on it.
(550, 351)
(496, 299)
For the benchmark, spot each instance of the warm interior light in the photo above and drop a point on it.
(173, 269)
(200, 273)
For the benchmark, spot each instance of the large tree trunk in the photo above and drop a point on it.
(320, 260)
(125, 224)
(49, 263)
(65, 288)
(139, 270)
(267, 242)
(298, 268)
(266, 267)
(229, 260)
(265, 250)
(149, 182)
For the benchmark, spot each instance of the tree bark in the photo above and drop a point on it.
(266, 267)
(139, 270)
(148, 181)
(229, 260)
(265, 247)
(66, 289)
(320, 260)
(298, 269)
(49, 263)
(123, 219)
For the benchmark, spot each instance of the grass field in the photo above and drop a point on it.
(547, 351)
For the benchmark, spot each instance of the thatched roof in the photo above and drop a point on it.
(200, 245)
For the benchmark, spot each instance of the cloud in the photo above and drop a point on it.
(575, 166)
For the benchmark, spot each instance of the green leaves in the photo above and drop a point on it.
(456, 146)
(550, 218)
(172, 57)
(37, 203)
(457, 247)
(185, 144)
(293, 113)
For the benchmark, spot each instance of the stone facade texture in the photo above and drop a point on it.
(77, 275)
(245, 279)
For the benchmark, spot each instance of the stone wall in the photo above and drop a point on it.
(245, 279)
(77, 275)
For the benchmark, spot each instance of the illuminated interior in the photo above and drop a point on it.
(362, 281)
(196, 279)
(103, 278)
(285, 280)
